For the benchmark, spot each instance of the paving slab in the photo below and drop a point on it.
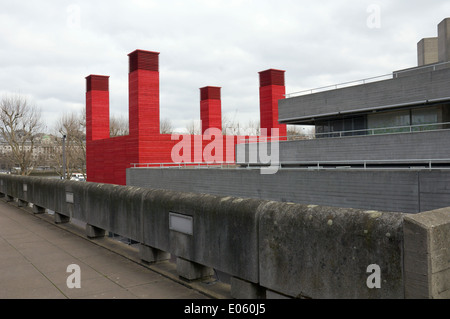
(35, 254)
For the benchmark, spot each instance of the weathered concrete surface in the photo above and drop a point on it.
(280, 248)
(427, 254)
(324, 252)
(225, 230)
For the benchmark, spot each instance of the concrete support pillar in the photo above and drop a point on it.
(242, 289)
(22, 203)
(61, 219)
(191, 270)
(94, 232)
(152, 255)
(38, 209)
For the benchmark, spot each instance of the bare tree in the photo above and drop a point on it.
(20, 122)
(72, 127)
(295, 132)
(253, 128)
(118, 126)
(166, 126)
(230, 126)
(194, 128)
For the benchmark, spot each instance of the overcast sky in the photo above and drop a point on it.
(47, 48)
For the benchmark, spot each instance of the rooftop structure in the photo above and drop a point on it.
(108, 158)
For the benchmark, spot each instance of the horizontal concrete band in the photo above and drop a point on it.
(404, 90)
(291, 249)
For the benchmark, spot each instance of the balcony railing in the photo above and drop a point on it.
(363, 132)
(415, 164)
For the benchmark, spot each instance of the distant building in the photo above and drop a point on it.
(42, 154)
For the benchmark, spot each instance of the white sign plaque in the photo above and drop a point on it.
(181, 223)
(69, 197)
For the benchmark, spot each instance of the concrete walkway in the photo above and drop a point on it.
(35, 254)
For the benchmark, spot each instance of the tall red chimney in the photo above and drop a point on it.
(210, 108)
(144, 93)
(271, 89)
(97, 107)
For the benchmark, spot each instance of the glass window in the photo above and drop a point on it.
(336, 126)
(319, 129)
(425, 116)
(348, 126)
(386, 122)
(359, 125)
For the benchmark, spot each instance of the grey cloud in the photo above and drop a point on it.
(47, 51)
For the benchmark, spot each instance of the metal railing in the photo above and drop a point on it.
(366, 164)
(312, 165)
(363, 81)
(441, 126)
(203, 165)
(339, 85)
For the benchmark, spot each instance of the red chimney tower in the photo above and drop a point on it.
(271, 90)
(97, 107)
(210, 108)
(143, 93)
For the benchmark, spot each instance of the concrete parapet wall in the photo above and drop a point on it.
(427, 254)
(225, 230)
(282, 249)
(323, 252)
